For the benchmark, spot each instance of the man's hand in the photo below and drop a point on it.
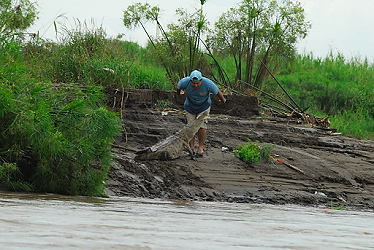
(222, 101)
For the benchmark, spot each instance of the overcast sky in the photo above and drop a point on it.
(343, 26)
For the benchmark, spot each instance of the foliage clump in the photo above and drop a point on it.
(253, 152)
(87, 56)
(53, 138)
(334, 86)
(15, 17)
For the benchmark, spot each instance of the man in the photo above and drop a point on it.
(197, 89)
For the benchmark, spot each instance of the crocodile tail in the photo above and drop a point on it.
(203, 115)
(191, 129)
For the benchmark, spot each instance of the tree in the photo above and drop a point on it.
(256, 34)
(16, 16)
(178, 49)
(266, 30)
(185, 36)
(138, 15)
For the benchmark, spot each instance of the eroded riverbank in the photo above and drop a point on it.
(336, 170)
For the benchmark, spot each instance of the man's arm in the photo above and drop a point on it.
(221, 97)
(180, 87)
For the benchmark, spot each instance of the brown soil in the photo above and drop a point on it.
(311, 166)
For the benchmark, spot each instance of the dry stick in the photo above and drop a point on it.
(294, 168)
(266, 95)
(289, 165)
(221, 71)
(292, 100)
(275, 108)
(271, 97)
(289, 108)
(233, 90)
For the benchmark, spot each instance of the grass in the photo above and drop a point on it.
(89, 58)
(164, 105)
(336, 87)
(333, 207)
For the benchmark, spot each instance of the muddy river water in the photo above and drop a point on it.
(30, 221)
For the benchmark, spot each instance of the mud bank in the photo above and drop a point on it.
(312, 167)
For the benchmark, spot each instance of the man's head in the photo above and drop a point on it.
(196, 78)
(195, 75)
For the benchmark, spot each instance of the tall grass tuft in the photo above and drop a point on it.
(86, 56)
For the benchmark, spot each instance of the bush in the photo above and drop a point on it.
(11, 178)
(60, 139)
(253, 152)
(52, 138)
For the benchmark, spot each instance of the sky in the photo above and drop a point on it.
(338, 26)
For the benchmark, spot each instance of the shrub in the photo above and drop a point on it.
(253, 152)
(11, 178)
(52, 138)
(60, 139)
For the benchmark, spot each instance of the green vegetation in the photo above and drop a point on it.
(333, 207)
(15, 17)
(335, 86)
(253, 152)
(88, 57)
(178, 48)
(164, 104)
(255, 34)
(253, 42)
(56, 133)
(52, 138)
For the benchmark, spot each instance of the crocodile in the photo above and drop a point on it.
(173, 146)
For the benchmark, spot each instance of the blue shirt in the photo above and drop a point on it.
(197, 100)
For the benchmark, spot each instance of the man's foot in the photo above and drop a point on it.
(200, 150)
(199, 155)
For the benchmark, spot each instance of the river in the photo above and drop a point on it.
(35, 221)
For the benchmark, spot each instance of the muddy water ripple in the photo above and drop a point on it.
(30, 221)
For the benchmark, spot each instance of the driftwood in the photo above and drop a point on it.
(300, 117)
(289, 165)
(294, 168)
(311, 119)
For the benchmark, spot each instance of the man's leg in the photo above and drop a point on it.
(201, 135)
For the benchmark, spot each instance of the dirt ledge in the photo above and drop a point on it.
(334, 171)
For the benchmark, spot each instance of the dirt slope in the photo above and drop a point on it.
(312, 167)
